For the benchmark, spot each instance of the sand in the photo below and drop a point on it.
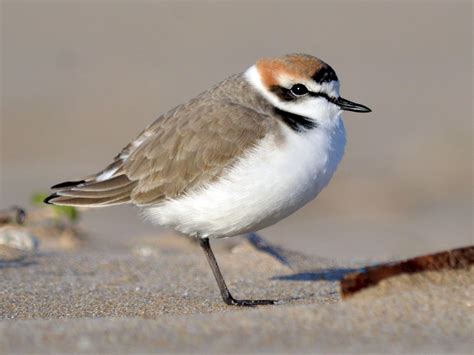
(159, 296)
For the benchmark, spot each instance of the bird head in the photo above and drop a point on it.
(301, 84)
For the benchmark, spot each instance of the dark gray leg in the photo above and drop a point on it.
(226, 296)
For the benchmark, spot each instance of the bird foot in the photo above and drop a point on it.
(249, 303)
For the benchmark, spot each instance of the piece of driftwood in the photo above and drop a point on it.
(453, 259)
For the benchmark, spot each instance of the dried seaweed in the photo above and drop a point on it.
(460, 258)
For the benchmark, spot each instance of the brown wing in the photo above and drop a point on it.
(188, 147)
(192, 148)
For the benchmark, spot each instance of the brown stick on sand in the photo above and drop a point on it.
(453, 259)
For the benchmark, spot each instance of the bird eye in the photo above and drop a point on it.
(299, 90)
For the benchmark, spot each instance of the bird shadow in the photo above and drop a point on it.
(261, 244)
(327, 274)
(332, 274)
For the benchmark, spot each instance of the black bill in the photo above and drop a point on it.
(347, 105)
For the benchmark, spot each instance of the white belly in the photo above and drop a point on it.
(271, 182)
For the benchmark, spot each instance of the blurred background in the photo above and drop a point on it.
(80, 79)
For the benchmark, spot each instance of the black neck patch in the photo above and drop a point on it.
(296, 122)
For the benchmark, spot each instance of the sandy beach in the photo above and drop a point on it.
(80, 79)
(159, 296)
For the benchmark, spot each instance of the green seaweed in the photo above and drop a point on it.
(69, 212)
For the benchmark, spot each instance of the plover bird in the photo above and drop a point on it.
(237, 158)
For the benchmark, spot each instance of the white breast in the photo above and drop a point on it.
(268, 184)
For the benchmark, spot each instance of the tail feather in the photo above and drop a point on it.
(86, 193)
(88, 202)
(48, 200)
(66, 184)
(92, 192)
(104, 185)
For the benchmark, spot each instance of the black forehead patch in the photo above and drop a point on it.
(324, 74)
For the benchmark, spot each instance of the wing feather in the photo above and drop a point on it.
(184, 149)
(204, 143)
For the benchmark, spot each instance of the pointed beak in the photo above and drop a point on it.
(347, 105)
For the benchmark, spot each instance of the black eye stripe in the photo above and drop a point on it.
(286, 95)
(323, 94)
(283, 93)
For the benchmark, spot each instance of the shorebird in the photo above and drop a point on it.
(239, 157)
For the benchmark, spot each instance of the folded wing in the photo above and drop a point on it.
(182, 150)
